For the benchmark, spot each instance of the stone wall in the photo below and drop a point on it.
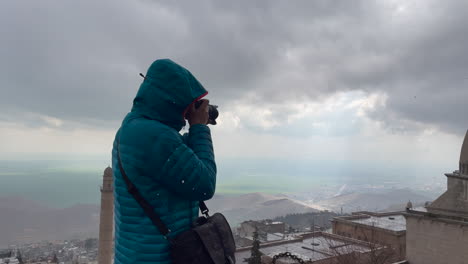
(432, 240)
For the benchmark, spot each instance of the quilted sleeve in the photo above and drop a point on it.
(190, 170)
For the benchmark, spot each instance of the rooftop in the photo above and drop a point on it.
(459, 220)
(311, 247)
(396, 222)
(274, 236)
(391, 221)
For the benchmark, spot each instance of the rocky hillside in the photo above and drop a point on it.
(256, 206)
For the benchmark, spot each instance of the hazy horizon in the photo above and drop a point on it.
(61, 183)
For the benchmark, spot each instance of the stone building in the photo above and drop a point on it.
(387, 229)
(317, 248)
(106, 226)
(267, 231)
(438, 233)
(247, 228)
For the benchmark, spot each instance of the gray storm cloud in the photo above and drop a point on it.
(79, 60)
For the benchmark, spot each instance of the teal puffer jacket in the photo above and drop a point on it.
(173, 172)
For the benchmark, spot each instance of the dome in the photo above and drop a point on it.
(409, 205)
(108, 172)
(464, 156)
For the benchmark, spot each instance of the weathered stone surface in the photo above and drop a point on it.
(106, 218)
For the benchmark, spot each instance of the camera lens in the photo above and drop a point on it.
(212, 112)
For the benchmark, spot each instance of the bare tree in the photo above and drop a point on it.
(349, 253)
(342, 252)
(380, 253)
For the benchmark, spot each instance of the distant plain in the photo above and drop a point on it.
(63, 183)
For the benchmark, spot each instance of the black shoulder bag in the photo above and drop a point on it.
(209, 241)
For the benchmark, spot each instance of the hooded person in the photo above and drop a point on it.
(172, 172)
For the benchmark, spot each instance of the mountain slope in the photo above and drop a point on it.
(256, 206)
(26, 221)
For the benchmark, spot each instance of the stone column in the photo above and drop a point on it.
(106, 226)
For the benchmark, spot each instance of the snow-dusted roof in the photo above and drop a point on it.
(395, 222)
(311, 248)
(314, 248)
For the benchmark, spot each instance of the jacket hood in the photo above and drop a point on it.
(166, 93)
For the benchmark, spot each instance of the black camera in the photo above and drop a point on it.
(212, 112)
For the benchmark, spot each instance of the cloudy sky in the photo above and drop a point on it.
(312, 80)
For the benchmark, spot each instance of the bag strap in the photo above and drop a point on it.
(203, 208)
(147, 208)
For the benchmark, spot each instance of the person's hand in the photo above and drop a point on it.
(199, 115)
